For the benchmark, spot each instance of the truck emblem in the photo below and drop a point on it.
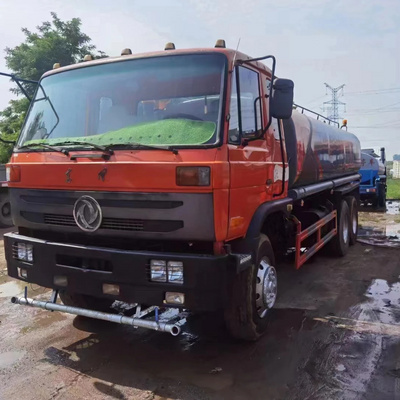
(68, 175)
(87, 214)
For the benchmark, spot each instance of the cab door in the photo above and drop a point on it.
(249, 160)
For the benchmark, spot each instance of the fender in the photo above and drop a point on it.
(263, 211)
(248, 244)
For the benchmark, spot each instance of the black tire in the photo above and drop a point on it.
(382, 195)
(244, 318)
(339, 245)
(88, 302)
(353, 219)
(5, 212)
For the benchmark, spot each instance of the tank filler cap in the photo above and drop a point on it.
(220, 44)
(126, 52)
(56, 65)
(169, 46)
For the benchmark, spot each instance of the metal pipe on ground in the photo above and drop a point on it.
(173, 329)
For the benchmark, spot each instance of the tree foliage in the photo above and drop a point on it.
(55, 41)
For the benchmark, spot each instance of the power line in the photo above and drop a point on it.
(375, 91)
(361, 112)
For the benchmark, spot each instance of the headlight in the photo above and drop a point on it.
(175, 272)
(171, 272)
(25, 252)
(158, 271)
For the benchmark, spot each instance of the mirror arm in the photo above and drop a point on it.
(18, 82)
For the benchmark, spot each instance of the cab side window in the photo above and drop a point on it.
(245, 106)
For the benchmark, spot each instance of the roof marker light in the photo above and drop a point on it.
(56, 65)
(220, 43)
(126, 52)
(88, 57)
(169, 46)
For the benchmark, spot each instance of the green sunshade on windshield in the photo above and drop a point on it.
(165, 132)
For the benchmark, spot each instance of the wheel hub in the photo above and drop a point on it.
(354, 223)
(266, 287)
(345, 230)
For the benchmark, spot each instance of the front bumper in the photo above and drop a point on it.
(88, 267)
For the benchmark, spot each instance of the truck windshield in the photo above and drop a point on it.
(164, 101)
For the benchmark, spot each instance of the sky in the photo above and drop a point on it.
(355, 43)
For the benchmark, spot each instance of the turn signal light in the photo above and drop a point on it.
(109, 288)
(13, 173)
(174, 298)
(193, 176)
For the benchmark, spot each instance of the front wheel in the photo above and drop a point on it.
(5, 212)
(252, 294)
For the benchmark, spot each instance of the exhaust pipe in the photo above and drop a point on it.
(173, 329)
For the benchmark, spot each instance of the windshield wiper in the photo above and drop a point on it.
(142, 146)
(46, 146)
(83, 143)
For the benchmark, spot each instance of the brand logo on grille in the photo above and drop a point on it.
(87, 214)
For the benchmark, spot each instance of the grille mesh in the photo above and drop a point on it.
(107, 223)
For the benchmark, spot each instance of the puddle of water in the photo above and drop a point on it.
(12, 288)
(9, 358)
(383, 304)
(393, 207)
(381, 229)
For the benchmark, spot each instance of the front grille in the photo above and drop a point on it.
(108, 223)
(132, 225)
(62, 220)
(123, 224)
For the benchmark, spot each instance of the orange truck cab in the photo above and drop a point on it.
(159, 180)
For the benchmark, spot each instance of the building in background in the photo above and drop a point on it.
(396, 169)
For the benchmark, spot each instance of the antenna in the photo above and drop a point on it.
(237, 48)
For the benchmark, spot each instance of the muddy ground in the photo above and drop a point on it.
(335, 334)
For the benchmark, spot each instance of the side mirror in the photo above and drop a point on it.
(281, 102)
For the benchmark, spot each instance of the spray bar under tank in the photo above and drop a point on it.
(173, 328)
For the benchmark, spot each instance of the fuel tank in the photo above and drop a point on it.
(318, 151)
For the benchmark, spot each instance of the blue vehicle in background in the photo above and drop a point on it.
(373, 178)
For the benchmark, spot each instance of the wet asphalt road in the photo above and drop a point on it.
(335, 334)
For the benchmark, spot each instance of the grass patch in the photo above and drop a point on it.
(393, 188)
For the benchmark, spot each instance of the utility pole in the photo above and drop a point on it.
(333, 105)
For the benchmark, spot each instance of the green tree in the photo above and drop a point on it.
(55, 41)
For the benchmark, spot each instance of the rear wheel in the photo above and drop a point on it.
(353, 214)
(252, 294)
(339, 245)
(88, 302)
(381, 195)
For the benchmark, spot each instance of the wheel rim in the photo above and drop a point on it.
(355, 223)
(266, 287)
(345, 229)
